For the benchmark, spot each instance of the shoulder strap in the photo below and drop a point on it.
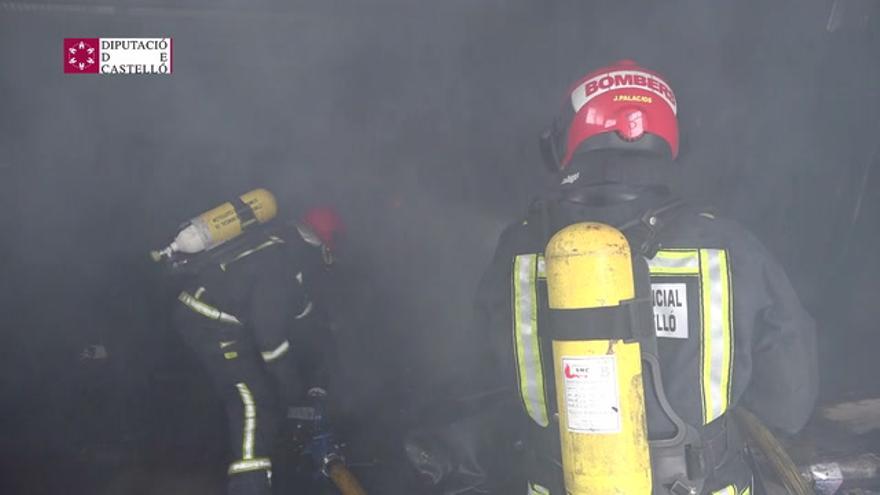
(643, 231)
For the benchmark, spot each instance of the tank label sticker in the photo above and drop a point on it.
(592, 399)
(670, 310)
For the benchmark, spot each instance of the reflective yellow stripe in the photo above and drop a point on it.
(717, 342)
(250, 421)
(525, 326)
(272, 241)
(207, 310)
(713, 268)
(729, 490)
(747, 491)
(260, 463)
(277, 352)
(675, 262)
(536, 489)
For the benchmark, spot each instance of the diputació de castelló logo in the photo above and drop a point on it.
(118, 56)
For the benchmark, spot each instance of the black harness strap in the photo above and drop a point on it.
(245, 213)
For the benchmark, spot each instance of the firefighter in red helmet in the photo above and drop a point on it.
(248, 309)
(729, 327)
(322, 228)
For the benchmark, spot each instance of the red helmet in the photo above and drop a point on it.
(325, 223)
(623, 107)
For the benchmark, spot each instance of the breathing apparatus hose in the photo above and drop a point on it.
(764, 440)
(344, 479)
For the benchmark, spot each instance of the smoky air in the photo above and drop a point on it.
(419, 123)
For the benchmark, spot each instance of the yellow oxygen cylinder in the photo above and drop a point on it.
(599, 391)
(220, 224)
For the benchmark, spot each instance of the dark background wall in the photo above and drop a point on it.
(419, 120)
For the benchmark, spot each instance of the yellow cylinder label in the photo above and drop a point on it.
(588, 266)
(223, 222)
(602, 427)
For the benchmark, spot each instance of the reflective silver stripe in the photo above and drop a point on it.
(308, 235)
(257, 464)
(199, 293)
(305, 312)
(250, 421)
(525, 324)
(682, 262)
(277, 352)
(207, 310)
(272, 241)
(536, 489)
(542, 267)
(717, 340)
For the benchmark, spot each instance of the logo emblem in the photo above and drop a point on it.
(81, 55)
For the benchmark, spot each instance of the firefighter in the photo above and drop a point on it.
(729, 327)
(247, 312)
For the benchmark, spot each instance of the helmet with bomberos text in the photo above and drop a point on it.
(620, 107)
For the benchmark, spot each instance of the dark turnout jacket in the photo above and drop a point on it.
(730, 327)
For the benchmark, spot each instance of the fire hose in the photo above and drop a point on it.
(344, 479)
(764, 440)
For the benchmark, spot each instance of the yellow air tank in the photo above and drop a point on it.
(599, 391)
(220, 224)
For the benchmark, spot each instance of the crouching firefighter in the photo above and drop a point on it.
(638, 321)
(246, 312)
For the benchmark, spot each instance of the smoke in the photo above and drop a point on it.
(419, 121)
